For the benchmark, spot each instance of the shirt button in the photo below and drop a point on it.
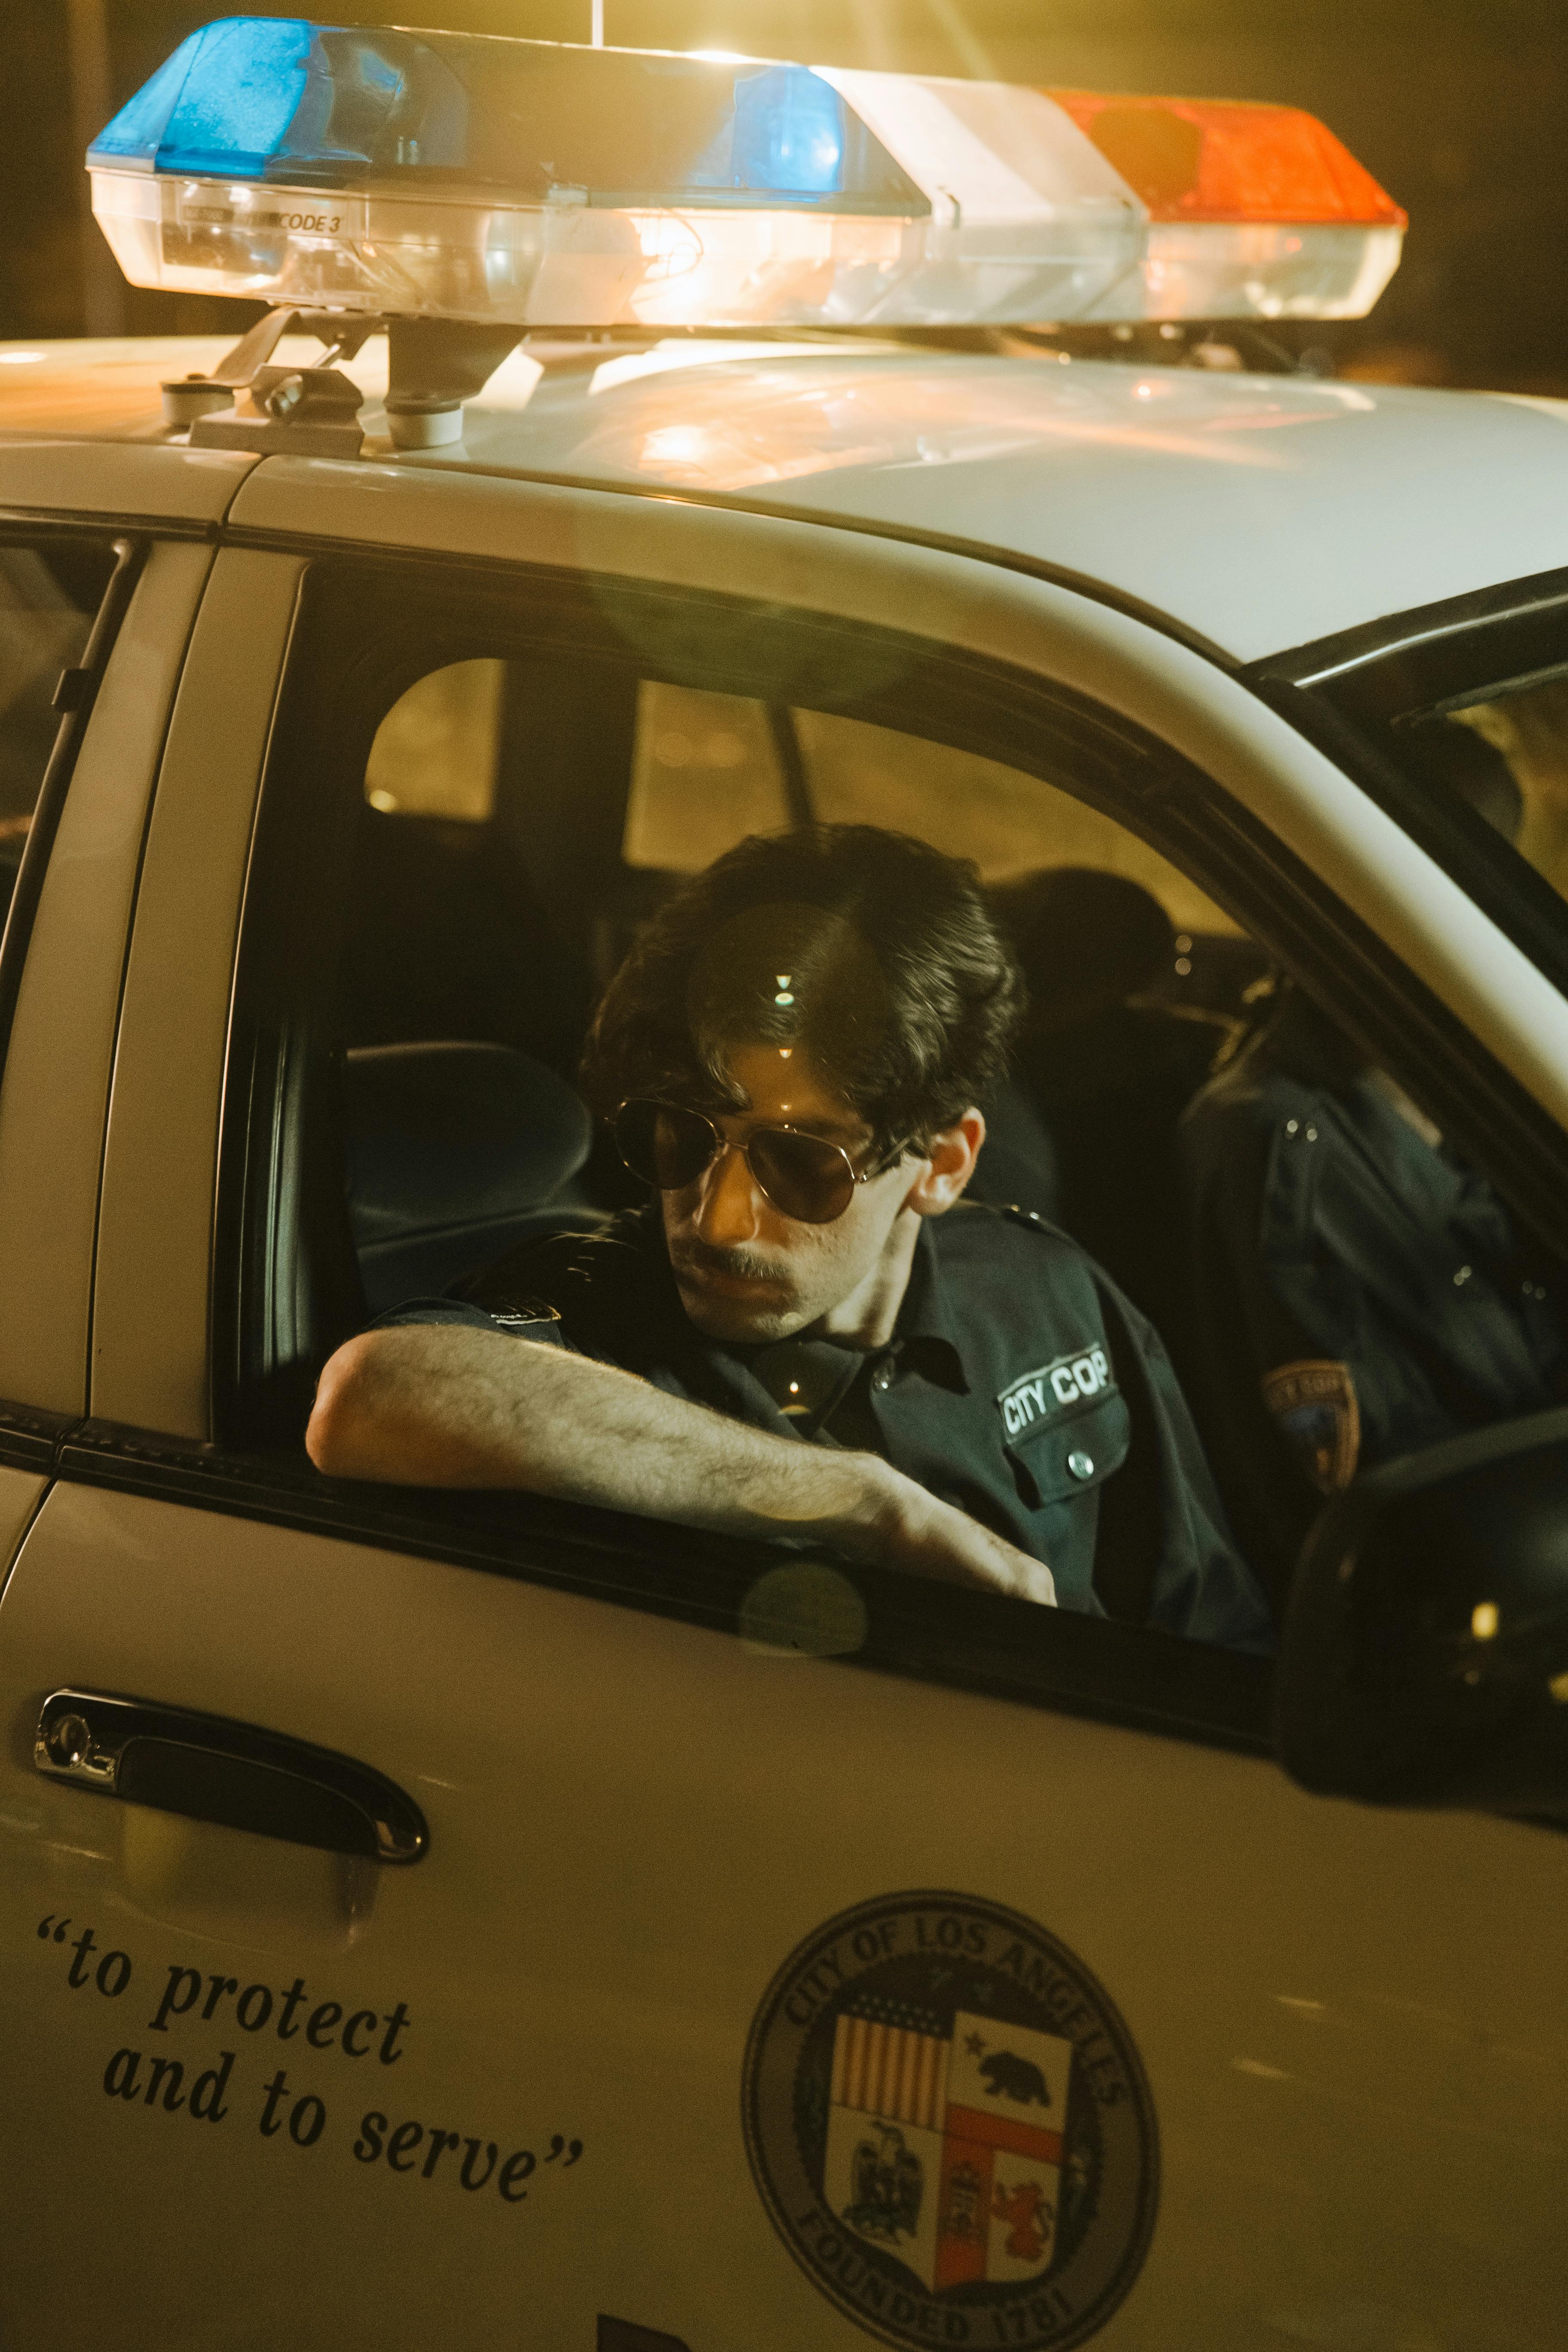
(883, 1377)
(1081, 1465)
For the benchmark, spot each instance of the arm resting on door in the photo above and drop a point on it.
(440, 1405)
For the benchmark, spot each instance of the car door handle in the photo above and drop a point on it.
(213, 1770)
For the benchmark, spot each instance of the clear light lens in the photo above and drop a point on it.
(1218, 269)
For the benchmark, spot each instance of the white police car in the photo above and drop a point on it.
(466, 1920)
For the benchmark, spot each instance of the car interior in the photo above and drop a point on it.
(464, 1133)
(458, 845)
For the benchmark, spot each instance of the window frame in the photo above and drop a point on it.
(405, 614)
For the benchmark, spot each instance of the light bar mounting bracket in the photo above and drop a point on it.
(434, 365)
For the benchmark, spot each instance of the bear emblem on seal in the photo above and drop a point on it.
(1011, 2077)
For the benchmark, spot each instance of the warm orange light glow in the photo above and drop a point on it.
(1220, 160)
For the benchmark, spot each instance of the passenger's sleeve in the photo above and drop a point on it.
(1201, 1587)
(529, 1319)
(1243, 1334)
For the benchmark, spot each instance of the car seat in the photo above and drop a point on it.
(450, 936)
(456, 1152)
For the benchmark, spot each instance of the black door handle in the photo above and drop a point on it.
(214, 1770)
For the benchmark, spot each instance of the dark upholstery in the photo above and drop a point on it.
(456, 1152)
(1019, 1165)
(1107, 1070)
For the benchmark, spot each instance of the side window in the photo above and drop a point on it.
(435, 752)
(464, 843)
(1469, 733)
(707, 770)
(1514, 769)
(50, 592)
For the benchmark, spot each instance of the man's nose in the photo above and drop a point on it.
(729, 1204)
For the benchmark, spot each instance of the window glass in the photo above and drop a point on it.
(49, 594)
(1521, 788)
(1008, 824)
(435, 752)
(523, 820)
(1476, 764)
(705, 772)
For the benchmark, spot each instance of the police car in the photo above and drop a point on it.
(438, 1918)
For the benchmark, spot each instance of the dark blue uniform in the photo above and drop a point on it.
(1358, 1292)
(1018, 1385)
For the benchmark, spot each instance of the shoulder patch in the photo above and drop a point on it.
(1314, 1404)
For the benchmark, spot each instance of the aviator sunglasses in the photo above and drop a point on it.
(804, 1176)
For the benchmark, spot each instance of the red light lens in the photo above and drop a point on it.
(1219, 159)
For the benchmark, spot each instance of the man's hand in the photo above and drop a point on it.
(455, 1405)
(928, 1538)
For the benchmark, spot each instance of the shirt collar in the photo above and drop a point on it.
(925, 1333)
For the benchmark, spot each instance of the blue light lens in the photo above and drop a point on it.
(223, 103)
(281, 98)
(789, 133)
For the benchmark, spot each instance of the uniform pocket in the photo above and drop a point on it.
(1071, 1453)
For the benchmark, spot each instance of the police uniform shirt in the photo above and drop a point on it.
(1018, 1385)
(1360, 1293)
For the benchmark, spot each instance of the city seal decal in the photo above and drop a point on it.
(949, 2126)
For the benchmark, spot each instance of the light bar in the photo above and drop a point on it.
(1254, 210)
(532, 183)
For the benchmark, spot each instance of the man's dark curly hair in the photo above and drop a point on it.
(871, 951)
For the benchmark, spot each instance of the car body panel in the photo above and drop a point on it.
(21, 1492)
(1177, 489)
(120, 481)
(149, 1303)
(57, 1069)
(1171, 486)
(1351, 2021)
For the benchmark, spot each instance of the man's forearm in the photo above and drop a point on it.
(450, 1405)
(445, 1406)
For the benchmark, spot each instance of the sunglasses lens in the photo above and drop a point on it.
(808, 1180)
(668, 1147)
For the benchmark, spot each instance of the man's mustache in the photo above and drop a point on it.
(738, 1265)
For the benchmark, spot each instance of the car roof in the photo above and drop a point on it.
(1253, 512)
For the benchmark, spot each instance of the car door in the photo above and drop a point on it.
(522, 1924)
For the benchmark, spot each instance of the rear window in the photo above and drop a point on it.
(1463, 733)
(51, 590)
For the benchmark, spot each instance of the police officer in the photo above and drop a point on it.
(791, 1058)
(1358, 1292)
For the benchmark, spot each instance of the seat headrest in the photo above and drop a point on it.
(1086, 939)
(449, 1136)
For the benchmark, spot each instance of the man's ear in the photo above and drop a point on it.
(948, 1165)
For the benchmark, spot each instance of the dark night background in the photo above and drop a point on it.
(1460, 106)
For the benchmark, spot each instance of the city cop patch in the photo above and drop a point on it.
(949, 2126)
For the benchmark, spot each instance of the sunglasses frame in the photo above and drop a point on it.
(722, 1144)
